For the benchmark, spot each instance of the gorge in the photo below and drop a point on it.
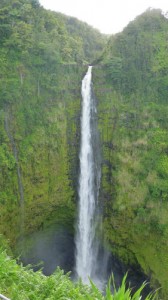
(53, 247)
(44, 56)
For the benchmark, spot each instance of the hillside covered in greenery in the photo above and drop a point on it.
(43, 58)
(42, 65)
(131, 85)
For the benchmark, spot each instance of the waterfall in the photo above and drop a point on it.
(86, 245)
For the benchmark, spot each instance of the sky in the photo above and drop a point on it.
(109, 16)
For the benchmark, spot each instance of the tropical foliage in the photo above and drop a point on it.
(131, 84)
(43, 57)
(18, 282)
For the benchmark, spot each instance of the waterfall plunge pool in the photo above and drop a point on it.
(54, 247)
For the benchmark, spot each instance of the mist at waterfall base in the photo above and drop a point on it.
(54, 247)
(85, 256)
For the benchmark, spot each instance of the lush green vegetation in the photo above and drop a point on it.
(43, 57)
(131, 86)
(20, 283)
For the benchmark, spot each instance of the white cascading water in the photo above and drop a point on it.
(85, 249)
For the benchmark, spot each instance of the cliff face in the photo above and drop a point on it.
(131, 83)
(39, 155)
(43, 57)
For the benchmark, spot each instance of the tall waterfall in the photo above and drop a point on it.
(86, 246)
